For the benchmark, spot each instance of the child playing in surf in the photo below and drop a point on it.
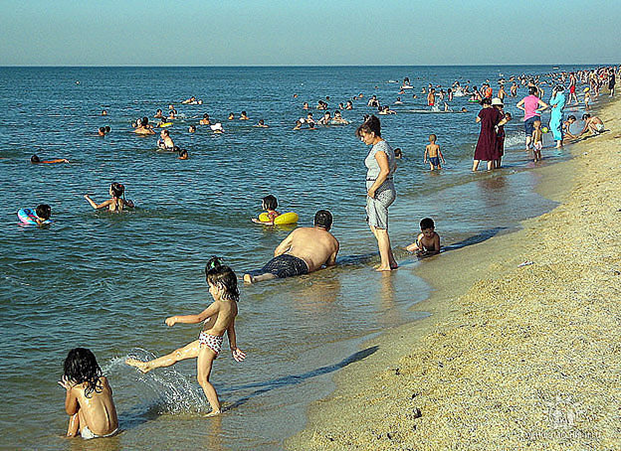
(117, 203)
(41, 214)
(433, 153)
(269, 203)
(428, 241)
(537, 140)
(218, 318)
(88, 400)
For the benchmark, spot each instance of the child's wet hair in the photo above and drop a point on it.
(433, 138)
(323, 218)
(81, 366)
(44, 211)
(117, 189)
(571, 117)
(223, 277)
(270, 202)
(427, 223)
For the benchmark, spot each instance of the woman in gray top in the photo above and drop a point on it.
(381, 165)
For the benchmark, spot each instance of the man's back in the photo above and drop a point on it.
(314, 245)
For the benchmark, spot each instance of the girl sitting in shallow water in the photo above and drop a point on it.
(218, 319)
(89, 397)
(117, 203)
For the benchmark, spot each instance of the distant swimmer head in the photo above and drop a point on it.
(101, 131)
(35, 159)
(145, 121)
(323, 218)
(44, 211)
(104, 113)
(205, 116)
(183, 154)
(269, 202)
(107, 129)
(81, 366)
(221, 279)
(117, 190)
(370, 129)
(192, 128)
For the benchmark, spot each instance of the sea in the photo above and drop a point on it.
(107, 281)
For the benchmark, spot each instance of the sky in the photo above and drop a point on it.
(307, 32)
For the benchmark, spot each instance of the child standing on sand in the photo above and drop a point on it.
(432, 151)
(428, 241)
(537, 140)
(218, 318)
(89, 397)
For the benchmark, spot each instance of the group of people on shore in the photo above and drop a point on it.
(305, 250)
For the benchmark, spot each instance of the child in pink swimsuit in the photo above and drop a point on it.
(218, 318)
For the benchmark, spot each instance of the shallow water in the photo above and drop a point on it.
(108, 281)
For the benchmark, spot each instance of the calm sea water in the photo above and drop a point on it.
(107, 281)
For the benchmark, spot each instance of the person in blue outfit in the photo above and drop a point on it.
(557, 103)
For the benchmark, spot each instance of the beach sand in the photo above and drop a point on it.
(513, 357)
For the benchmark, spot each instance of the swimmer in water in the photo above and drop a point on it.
(398, 101)
(192, 129)
(183, 154)
(165, 142)
(325, 119)
(104, 113)
(158, 114)
(42, 213)
(36, 160)
(117, 202)
(262, 124)
(101, 131)
(231, 116)
(269, 204)
(305, 106)
(190, 100)
(205, 120)
(243, 116)
(144, 128)
(217, 319)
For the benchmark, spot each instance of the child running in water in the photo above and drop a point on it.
(428, 241)
(432, 151)
(218, 318)
(117, 203)
(269, 203)
(537, 140)
(89, 397)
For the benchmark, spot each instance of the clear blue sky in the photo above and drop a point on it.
(307, 32)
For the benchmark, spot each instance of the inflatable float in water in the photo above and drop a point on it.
(29, 217)
(285, 218)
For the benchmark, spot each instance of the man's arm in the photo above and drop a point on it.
(285, 245)
(332, 259)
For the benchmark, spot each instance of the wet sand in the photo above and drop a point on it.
(512, 357)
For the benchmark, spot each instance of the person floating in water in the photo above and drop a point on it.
(305, 250)
(269, 203)
(428, 241)
(36, 160)
(117, 203)
(88, 400)
(217, 319)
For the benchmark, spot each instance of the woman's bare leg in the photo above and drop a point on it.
(475, 165)
(189, 351)
(206, 356)
(383, 243)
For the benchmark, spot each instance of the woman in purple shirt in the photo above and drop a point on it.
(530, 105)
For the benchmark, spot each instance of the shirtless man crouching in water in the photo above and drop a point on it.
(305, 250)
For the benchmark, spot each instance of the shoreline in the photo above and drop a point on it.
(465, 369)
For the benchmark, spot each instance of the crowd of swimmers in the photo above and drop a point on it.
(89, 401)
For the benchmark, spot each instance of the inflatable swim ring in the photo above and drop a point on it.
(165, 124)
(29, 217)
(285, 218)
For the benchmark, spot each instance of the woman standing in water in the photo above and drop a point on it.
(487, 148)
(557, 103)
(530, 105)
(381, 165)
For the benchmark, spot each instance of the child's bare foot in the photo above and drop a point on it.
(213, 413)
(142, 366)
(248, 278)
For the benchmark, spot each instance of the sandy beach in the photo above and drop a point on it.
(520, 350)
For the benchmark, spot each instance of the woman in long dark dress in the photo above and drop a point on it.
(487, 149)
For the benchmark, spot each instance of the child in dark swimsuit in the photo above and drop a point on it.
(428, 241)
